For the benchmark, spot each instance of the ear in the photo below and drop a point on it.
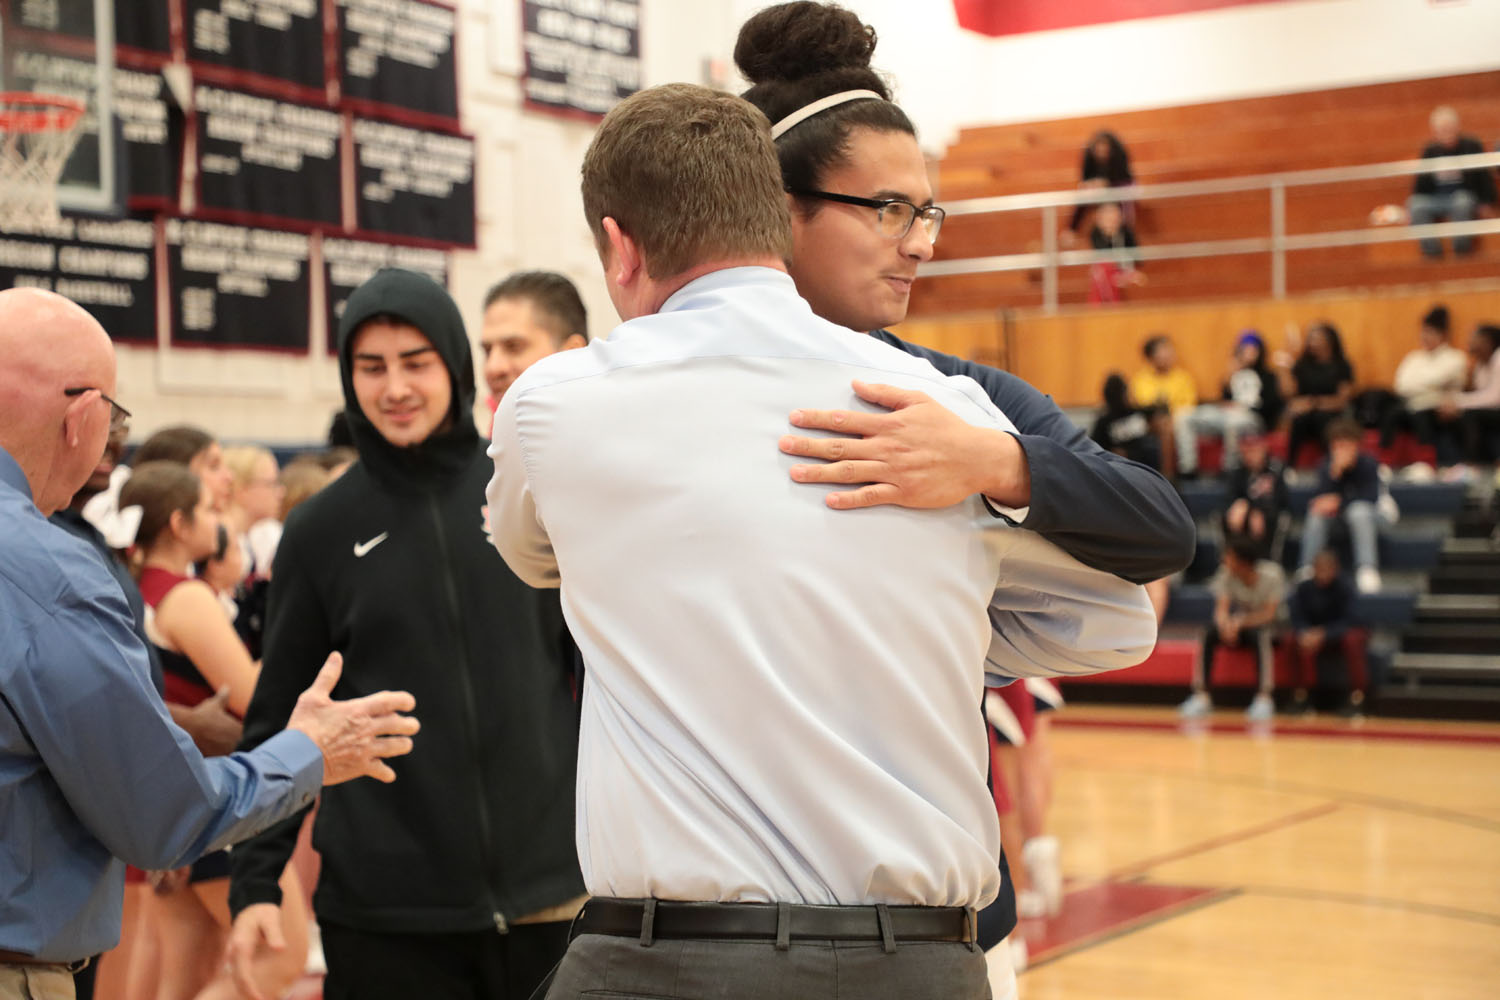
(624, 263)
(574, 341)
(177, 522)
(76, 417)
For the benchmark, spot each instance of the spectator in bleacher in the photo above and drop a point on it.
(1322, 614)
(1424, 379)
(1248, 591)
(1167, 387)
(1257, 494)
(1250, 400)
(1106, 163)
(1322, 383)
(1111, 232)
(1453, 195)
(1478, 409)
(1127, 429)
(1348, 492)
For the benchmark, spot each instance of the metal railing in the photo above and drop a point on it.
(1278, 243)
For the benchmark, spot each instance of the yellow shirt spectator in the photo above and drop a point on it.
(1173, 388)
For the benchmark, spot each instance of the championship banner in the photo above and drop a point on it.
(580, 63)
(152, 126)
(233, 286)
(347, 264)
(274, 40)
(413, 184)
(104, 265)
(398, 56)
(261, 159)
(144, 28)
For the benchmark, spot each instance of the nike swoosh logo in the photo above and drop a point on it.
(361, 548)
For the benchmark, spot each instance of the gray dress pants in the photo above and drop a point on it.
(598, 967)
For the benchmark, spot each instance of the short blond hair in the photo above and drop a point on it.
(241, 461)
(691, 175)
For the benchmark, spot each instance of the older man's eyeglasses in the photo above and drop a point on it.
(894, 216)
(119, 417)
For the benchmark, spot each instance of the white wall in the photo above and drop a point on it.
(1259, 49)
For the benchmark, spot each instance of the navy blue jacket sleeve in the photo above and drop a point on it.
(1106, 511)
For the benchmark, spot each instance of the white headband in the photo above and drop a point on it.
(802, 114)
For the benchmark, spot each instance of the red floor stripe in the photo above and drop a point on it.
(1355, 732)
(1106, 910)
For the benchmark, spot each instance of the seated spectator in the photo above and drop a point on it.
(1426, 377)
(1112, 232)
(1164, 386)
(1452, 195)
(1257, 494)
(1250, 400)
(1478, 410)
(1126, 429)
(1248, 591)
(1322, 615)
(303, 477)
(1348, 493)
(1322, 383)
(1106, 163)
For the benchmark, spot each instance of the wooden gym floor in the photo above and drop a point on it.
(1316, 858)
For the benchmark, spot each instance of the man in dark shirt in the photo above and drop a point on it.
(1454, 195)
(1322, 614)
(1348, 490)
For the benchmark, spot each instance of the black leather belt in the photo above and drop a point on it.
(783, 923)
(21, 958)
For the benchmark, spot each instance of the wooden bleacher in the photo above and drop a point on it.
(1067, 355)
(1327, 128)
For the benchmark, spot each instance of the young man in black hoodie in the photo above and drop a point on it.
(458, 881)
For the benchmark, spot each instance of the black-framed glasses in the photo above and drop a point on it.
(118, 415)
(894, 216)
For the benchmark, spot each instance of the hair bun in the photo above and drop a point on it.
(795, 40)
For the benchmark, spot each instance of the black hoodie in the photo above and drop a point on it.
(391, 566)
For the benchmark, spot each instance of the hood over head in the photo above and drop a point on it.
(413, 298)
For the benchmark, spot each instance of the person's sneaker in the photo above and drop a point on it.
(1367, 579)
(1353, 706)
(1261, 708)
(1020, 954)
(1196, 706)
(1040, 856)
(1031, 904)
(1299, 705)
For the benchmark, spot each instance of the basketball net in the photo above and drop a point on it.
(37, 135)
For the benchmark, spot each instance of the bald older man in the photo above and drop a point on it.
(93, 773)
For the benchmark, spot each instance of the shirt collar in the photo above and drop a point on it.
(730, 277)
(12, 476)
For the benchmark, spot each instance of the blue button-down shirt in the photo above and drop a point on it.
(93, 772)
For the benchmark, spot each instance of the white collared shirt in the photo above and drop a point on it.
(782, 700)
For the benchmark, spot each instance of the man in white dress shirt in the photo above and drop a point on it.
(781, 788)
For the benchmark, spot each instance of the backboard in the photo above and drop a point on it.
(67, 48)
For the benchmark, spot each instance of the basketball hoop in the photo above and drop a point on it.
(37, 135)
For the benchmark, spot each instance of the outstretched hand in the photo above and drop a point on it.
(357, 735)
(918, 455)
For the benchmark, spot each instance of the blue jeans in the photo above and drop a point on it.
(1364, 534)
(1455, 206)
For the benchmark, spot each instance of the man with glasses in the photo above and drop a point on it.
(781, 784)
(93, 773)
